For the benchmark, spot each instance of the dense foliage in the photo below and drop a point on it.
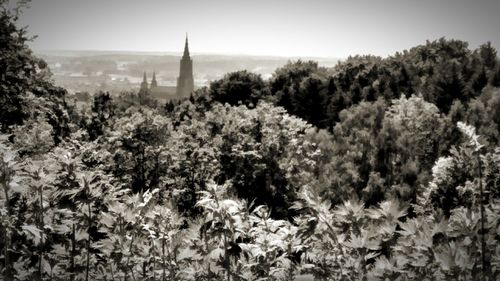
(376, 169)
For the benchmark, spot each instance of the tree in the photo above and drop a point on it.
(461, 189)
(300, 88)
(495, 77)
(136, 142)
(240, 87)
(19, 67)
(355, 151)
(309, 102)
(101, 114)
(480, 81)
(455, 177)
(264, 153)
(488, 55)
(449, 86)
(23, 74)
(411, 135)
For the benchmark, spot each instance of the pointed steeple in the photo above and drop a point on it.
(144, 84)
(154, 84)
(185, 81)
(186, 48)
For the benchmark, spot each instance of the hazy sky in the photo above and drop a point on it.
(326, 28)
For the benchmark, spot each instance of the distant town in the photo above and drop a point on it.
(117, 71)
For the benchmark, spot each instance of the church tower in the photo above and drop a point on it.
(185, 81)
(154, 84)
(144, 84)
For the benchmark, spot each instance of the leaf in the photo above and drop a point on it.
(187, 254)
(33, 232)
(371, 255)
(62, 228)
(107, 220)
(16, 187)
(216, 253)
(203, 202)
(81, 235)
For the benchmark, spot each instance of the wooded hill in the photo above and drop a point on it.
(375, 169)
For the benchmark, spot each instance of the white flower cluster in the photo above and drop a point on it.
(440, 174)
(470, 132)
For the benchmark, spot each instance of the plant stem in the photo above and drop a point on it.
(154, 260)
(226, 258)
(333, 236)
(163, 257)
(112, 274)
(481, 203)
(88, 242)
(171, 266)
(132, 272)
(41, 234)
(128, 258)
(73, 250)
(7, 271)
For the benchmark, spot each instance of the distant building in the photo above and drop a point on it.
(161, 92)
(185, 81)
(144, 84)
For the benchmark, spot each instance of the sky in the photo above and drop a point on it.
(312, 28)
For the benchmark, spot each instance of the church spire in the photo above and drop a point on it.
(154, 84)
(185, 81)
(186, 47)
(144, 84)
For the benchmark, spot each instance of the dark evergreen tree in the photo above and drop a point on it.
(449, 87)
(103, 110)
(480, 81)
(488, 55)
(495, 77)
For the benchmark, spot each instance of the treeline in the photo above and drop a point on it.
(445, 72)
(387, 120)
(367, 170)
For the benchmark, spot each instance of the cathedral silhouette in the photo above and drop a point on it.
(185, 81)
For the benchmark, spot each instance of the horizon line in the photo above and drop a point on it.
(179, 53)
